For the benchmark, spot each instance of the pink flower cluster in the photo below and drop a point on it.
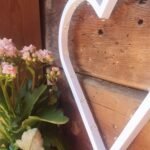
(52, 75)
(55, 71)
(27, 53)
(44, 56)
(7, 48)
(9, 69)
(31, 54)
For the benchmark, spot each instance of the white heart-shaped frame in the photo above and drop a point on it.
(103, 9)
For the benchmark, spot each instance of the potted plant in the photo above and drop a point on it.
(28, 98)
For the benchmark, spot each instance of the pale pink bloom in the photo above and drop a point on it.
(55, 69)
(7, 48)
(55, 72)
(31, 48)
(26, 56)
(31, 140)
(52, 75)
(44, 56)
(9, 69)
(27, 52)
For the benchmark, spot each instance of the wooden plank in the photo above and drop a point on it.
(117, 49)
(113, 105)
(20, 20)
(50, 22)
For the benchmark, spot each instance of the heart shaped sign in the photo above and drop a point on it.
(103, 9)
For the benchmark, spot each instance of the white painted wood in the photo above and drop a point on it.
(134, 126)
(103, 8)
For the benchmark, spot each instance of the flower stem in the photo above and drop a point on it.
(3, 86)
(33, 76)
(33, 81)
(13, 95)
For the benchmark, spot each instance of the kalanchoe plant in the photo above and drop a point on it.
(28, 96)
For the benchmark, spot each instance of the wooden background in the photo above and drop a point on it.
(111, 59)
(20, 20)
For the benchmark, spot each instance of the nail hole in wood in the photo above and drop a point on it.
(116, 43)
(140, 21)
(100, 32)
(142, 1)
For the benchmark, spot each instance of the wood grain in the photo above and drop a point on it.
(113, 106)
(117, 49)
(20, 20)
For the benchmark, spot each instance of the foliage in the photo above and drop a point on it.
(28, 96)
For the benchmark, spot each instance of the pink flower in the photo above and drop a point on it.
(52, 75)
(27, 53)
(31, 48)
(44, 56)
(56, 71)
(9, 69)
(7, 48)
(26, 56)
(31, 54)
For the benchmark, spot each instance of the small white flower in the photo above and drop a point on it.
(31, 140)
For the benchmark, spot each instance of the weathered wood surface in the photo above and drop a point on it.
(20, 20)
(113, 105)
(117, 49)
(50, 23)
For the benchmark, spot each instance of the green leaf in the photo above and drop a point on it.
(31, 99)
(52, 115)
(22, 91)
(19, 98)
